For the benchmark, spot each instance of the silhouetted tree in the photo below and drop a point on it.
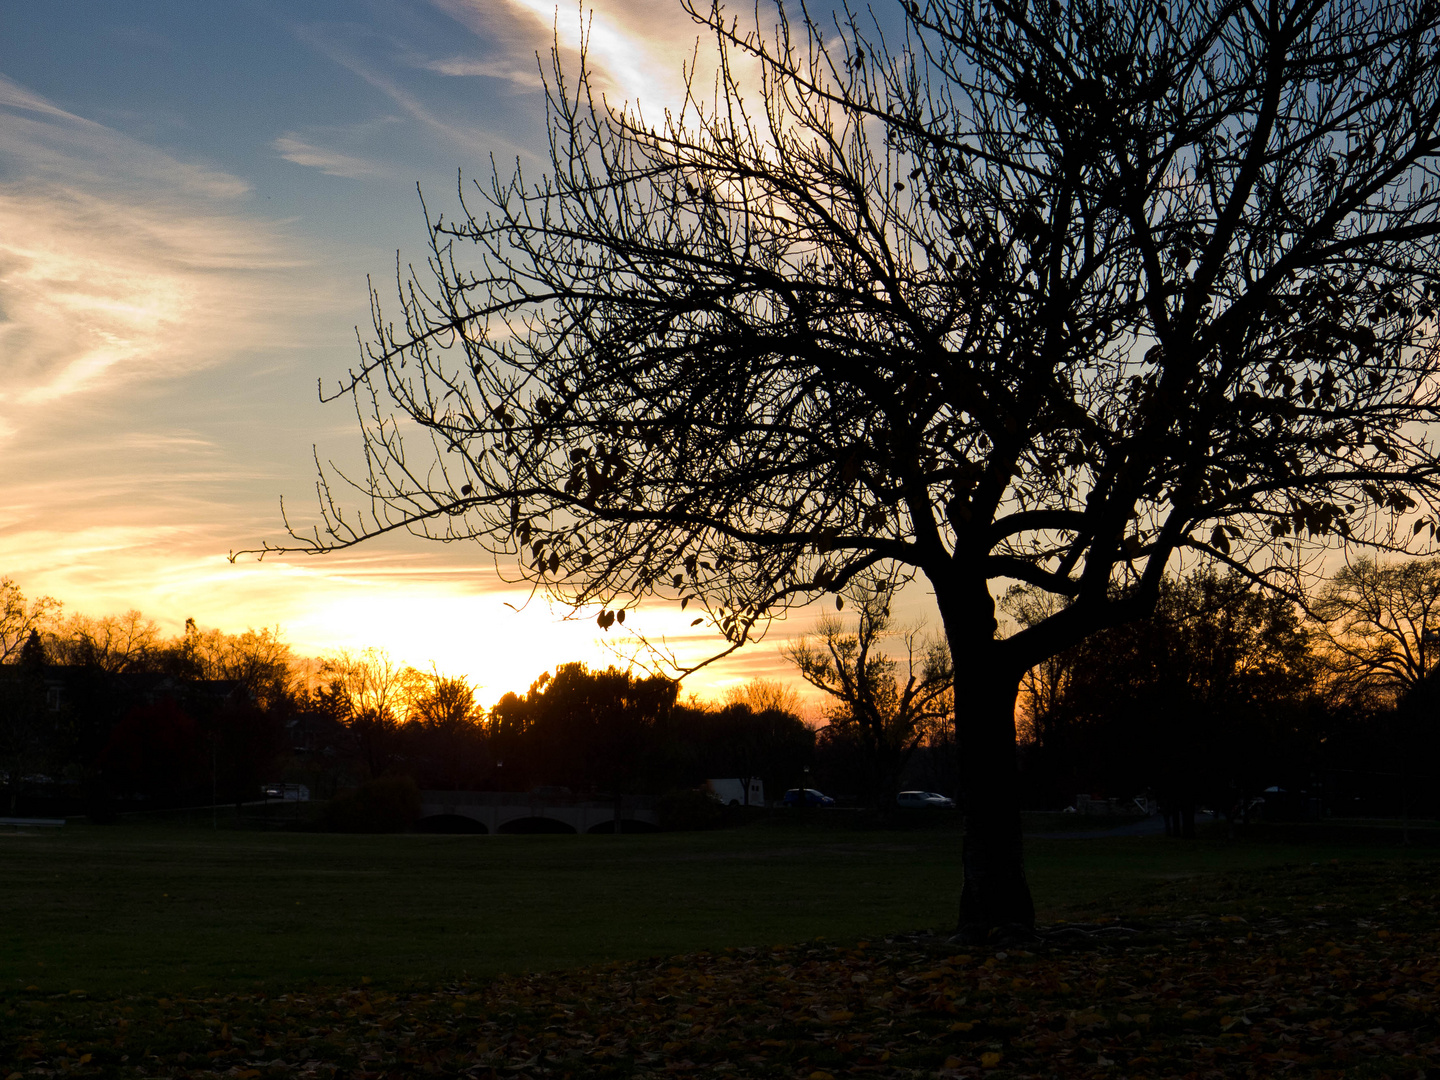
(764, 695)
(21, 618)
(1045, 292)
(444, 739)
(444, 701)
(580, 729)
(244, 742)
(116, 644)
(1381, 623)
(757, 733)
(1193, 701)
(771, 744)
(259, 661)
(1379, 627)
(882, 706)
(1041, 686)
(370, 692)
(30, 736)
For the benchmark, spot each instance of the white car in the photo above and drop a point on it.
(924, 800)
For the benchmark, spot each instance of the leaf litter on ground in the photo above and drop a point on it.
(1320, 971)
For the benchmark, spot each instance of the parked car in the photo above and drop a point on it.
(812, 798)
(924, 800)
(287, 792)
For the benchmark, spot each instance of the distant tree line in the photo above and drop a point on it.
(108, 708)
(1221, 694)
(112, 712)
(1224, 694)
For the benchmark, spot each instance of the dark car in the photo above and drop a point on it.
(924, 800)
(812, 798)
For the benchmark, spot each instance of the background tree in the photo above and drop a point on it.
(30, 739)
(763, 695)
(260, 661)
(20, 618)
(581, 729)
(883, 706)
(156, 750)
(244, 743)
(445, 701)
(370, 692)
(757, 733)
(1199, 700)
(444, 737)
(1042, 686)
(1048, 292)
(1381, 626)
(110, 643)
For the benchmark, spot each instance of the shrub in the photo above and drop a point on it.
(388, 804)
(688, 811)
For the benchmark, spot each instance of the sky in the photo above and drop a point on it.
(191, 199)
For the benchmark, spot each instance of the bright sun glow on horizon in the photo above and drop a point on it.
(457, 620)
(501, 649)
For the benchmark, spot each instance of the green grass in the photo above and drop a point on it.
(164, 907)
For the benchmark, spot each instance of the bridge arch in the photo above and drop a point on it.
(451, 824)
(532, 825)
(627, 825)
(512, 812)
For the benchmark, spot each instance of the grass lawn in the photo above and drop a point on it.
(152, 907)
(154, 951)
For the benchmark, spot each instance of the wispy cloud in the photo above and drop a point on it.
(118, 261)
(15, 96)
(41, 141)
(93, 289)
(331, 162)
(521, 71)
(332, 44)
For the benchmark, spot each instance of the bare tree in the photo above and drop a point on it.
(373, 692)
(259, 660)
(888, 704)
(761, 695)
(19, 618)
(1381, 624)
(113, 643)
(1033, 291)
(372, 681)
(444, 735)
(1042, 686)
(444, 702)
(29, 734)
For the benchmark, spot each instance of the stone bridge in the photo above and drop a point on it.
(507, 812)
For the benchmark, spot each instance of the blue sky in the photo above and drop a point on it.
(191, 197)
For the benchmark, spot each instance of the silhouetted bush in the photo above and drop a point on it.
(688, 811)
(154, 751)
(389, 804)
(100, 805)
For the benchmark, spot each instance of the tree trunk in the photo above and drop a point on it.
(995, 903)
